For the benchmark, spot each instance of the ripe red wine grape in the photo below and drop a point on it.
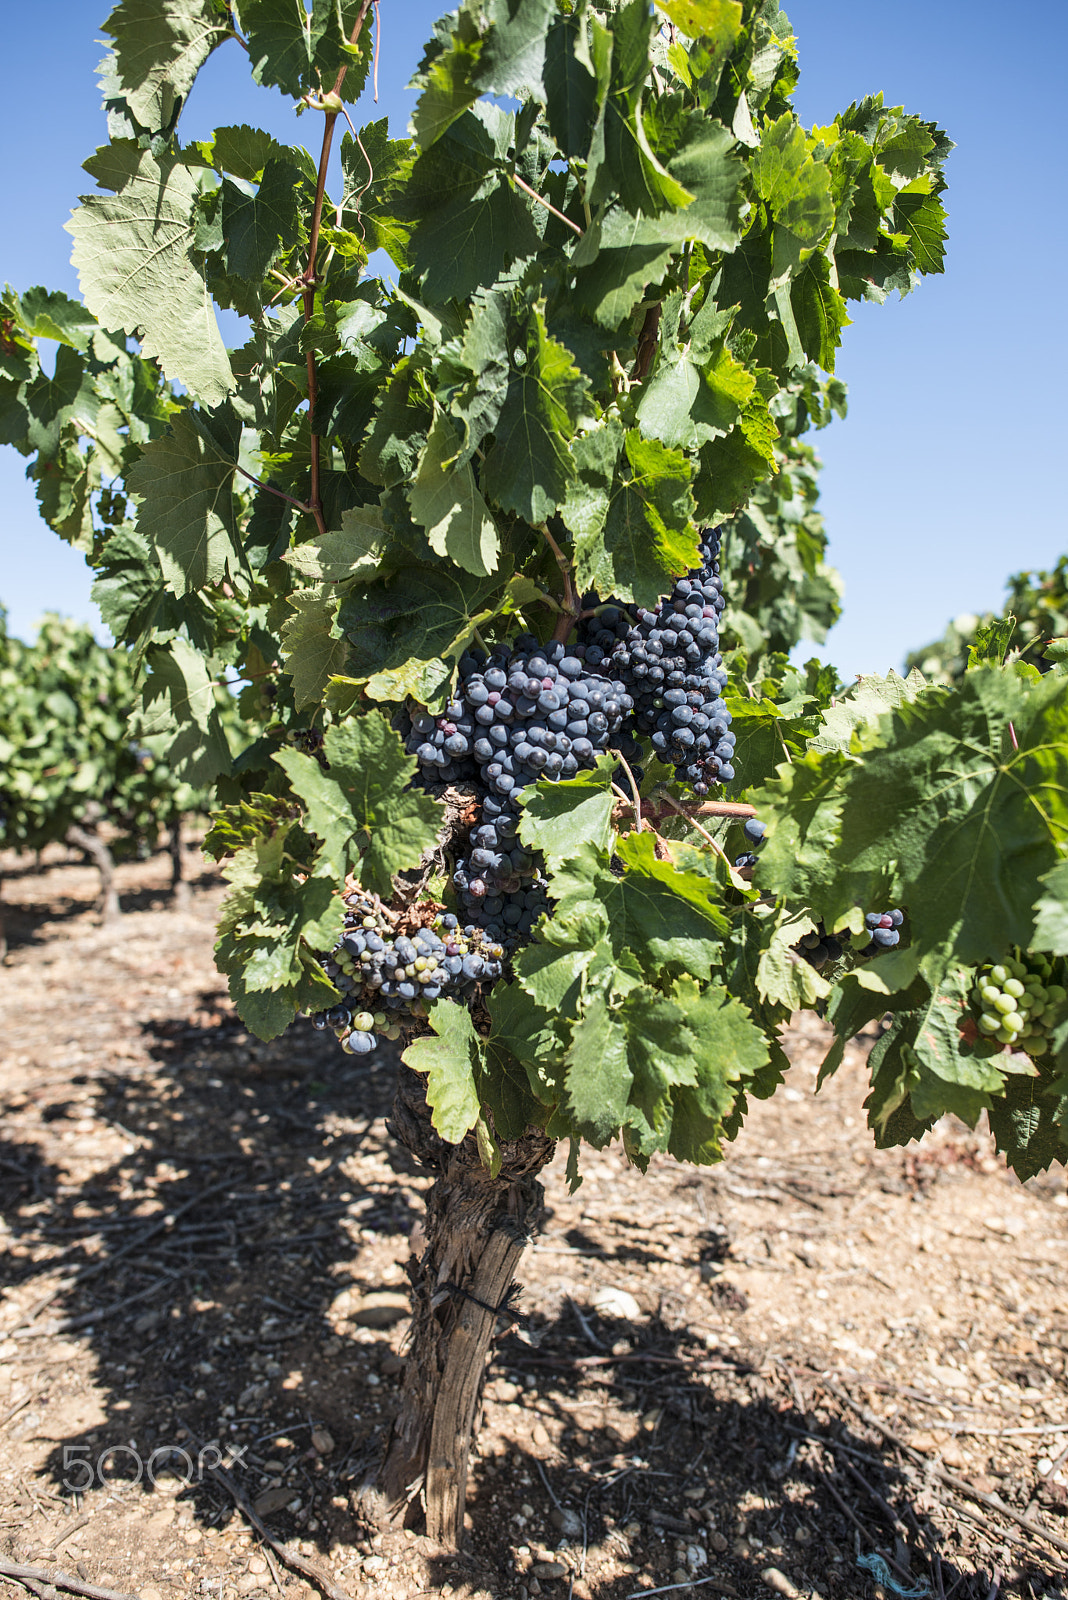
(668, 661)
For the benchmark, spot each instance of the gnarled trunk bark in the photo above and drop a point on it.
(91, 844)
(477, 1228)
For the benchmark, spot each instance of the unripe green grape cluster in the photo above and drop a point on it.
(1018, 1002)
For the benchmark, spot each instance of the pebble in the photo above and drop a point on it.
(613, 1302)
(718, 1541)
(774, 1579)
(381, 1309)
(322, 1441)
(392, 1364)
(568, 1522)
(540, 1434)
(680, 1575)
(257, 1564)
(696, 1557)
(550, 1569)
(151, 1594)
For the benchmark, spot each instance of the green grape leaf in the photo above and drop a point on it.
(266, 1014)
(655, 915)
(352, 551)
(184, 482)
(396, 433)
(160, 46)
(1027, 1121)
(612, 284)
(599, 1072)
(449, 1060)
(179, 701)
(570, 87)
(717, 20)
(50, 314)
(259, 224)
(300, 51)
(369, 820)
(513, 52)
(969, 795)
(523, 1032)
(991, 643)
(447, 80)
(406, 634)
(133, 251)
(446, 502)
(1051, 912)
(312, 650)
(819, 311)
(865, 703)
(528, 469)
(561, 817)
(796, 189)
(922, 217)
(242, 151)
(729, 1048)
(647, 536)
(621, 161)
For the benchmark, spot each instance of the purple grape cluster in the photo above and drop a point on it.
(669, 663)
(754, 835)
(386, 976)
(883, 930)
(523, 712)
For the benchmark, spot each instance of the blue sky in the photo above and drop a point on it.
(944, 477)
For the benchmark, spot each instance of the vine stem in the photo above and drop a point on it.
(270, 489)
(735, 809)
(540, 198)
(697, 828)
(634, 791)
(571, 607)
(315, 503)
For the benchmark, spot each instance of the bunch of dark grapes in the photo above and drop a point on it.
(754, 834)
(309, 741)
(442, 744)
(521, 713)
(669, 663)
(385, 976)
(884, 931)
(820, 947)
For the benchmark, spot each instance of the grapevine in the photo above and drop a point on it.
(508, 550)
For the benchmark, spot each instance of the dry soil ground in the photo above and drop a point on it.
(778, 1375)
